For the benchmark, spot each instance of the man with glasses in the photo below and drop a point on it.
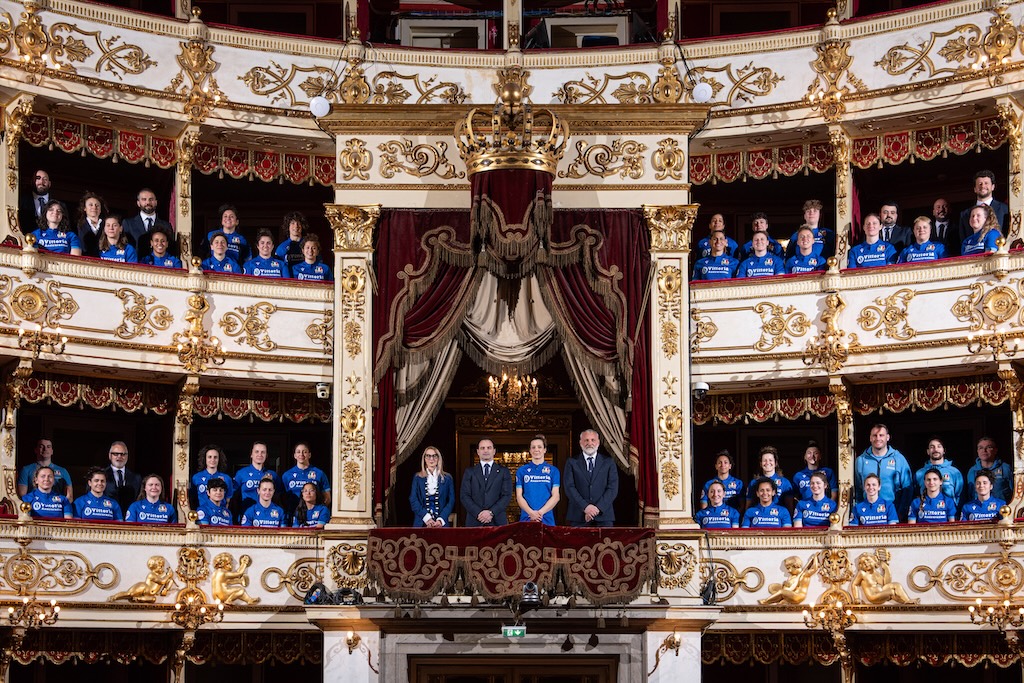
(44, 458)
(123, 485)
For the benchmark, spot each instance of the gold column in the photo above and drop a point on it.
(1009, 375)
(8, 430)
(670, 228)
(844, 445)
(183, 445)
(511, 24)
(352, 408)
(839, 139)
(183, 207)
(1010, 114)
(15, 116)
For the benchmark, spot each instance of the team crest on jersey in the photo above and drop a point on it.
(774, 512)
(941, 505)
(545, 470)
(991, 506)
(880, 508)
(880, 248)
(273, 513)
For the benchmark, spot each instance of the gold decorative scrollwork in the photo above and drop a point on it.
(728, 580)
(52, 572)
(668, 89)
(347, 565)
(250, 325)
(887, 315)
(637, 89)
(670, 448)
(844, 418)
(139, 319)
(353, 442)
(298, 578)
(1000, 304)
(677, 563)
(831, 348)
(670, 284)
(6, 313)
(353, 292)
(1011, 120)
(14, 119)
(183, 415)
(964, 577)
(776, 323)
(186, 158)
(668, 161)
(321, 331)
(965, 308)
(353, 226)
(202, 92)
(276, 82)
(387, 89)
(419, 160)
(355, 160)
(839, 141)
(48, 308)
(966, 49)
(834, 81)
(193, 567)
(745, 84)
(670, 226)
(353, 335)
(623, 157)
(704, 329)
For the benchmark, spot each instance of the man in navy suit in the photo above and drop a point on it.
(591, 482)
(123, 485)
(984, 185)
(898, 236)
(944, 230)
(139, 226)
(486, 489)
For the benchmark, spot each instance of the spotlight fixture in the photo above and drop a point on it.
(702, 92)
(568, 644)
(531, 595)
(320, 106)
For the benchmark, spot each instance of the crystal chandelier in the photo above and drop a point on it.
(511, 400)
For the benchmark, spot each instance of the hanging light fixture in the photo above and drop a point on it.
(512, 399)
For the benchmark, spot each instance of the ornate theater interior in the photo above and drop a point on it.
(512, 199)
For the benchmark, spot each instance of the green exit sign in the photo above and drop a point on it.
(513, 631)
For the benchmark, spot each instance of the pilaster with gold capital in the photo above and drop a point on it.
(511, 24)
(1008, 374)
(183, 415)
(839, 140)
(187, 142)
(15, 116)
(1012, 118)
(352, 394)
(844, 443)
(670, 228)
(13, 385)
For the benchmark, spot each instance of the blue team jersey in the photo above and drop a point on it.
(125, 254)
(56, 241)
(238, 248)
(767, 517)
(815, 512)
(247, 481)
(715, 268)
(536, 483)
(874, 514)
(1002, 487)
(929, 251)
(265, 517)
(718, 517)
(295, 478)
(871, 255)
(202, 477)
(151, 513)
(981, 511)
(805, 264)
(935, 510)
(312, 272)
(761, 266)
(802, 479)
(980, 242)
(101, 507)
(265, 267)
(318, 516)
(952, 480)
(214, 515)
(227, 265)
(824, 243)
(732, 486)
(165, 261)
(704, 247)
(782, 487)
(61, 477)
(747, 250)
(289, 252)
(50, 505)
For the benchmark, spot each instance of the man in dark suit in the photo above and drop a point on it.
(122, 484)
(486, 489)
(944, 231)
(896, 235)
(138, 227)
(591, 482)
(32, 203)
(984, 185)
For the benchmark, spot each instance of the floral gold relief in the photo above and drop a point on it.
(346, 563)
(47, 308)
(15, 118)
(355, 160)
(965, 577)
(353, 443)
(778, 322)
(201, 92)
(321, 332)
(745, 83)
(670, 284)
(1010, 117)
(670, 226)
(353, 226)
(250, 325)
(988, 304)
(141, 317)
(634, 87)
(670, 448)
(401, 156)
(889, 316)
(623, 158)
(669, 160)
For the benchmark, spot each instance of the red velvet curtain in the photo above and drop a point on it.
(511, 219)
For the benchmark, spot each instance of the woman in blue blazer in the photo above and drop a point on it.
(433, 491)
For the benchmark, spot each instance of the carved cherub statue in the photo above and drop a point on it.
(875, 581)
(794, 589)
(228, 585)
(158, 583)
